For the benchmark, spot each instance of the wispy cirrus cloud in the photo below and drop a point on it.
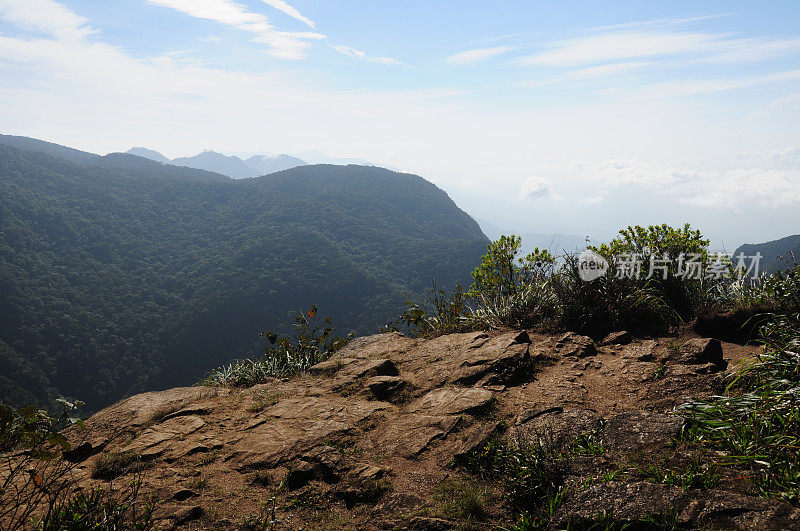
(45, 16)
(790, 103)
(660, 58)
(360, 54)
(282, 44)
(612, 46)
(705, 86)
(589, 73)
(280, 5)
(478, 54)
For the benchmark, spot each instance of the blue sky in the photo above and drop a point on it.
(575, 117)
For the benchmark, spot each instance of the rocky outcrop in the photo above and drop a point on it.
(367, 439)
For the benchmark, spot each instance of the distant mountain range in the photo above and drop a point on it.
(318, 157)
(254, 166)
(149, 154)
(555, 243)
(776, 255)
(231, 166)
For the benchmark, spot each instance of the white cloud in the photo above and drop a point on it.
(535, 188)
(45, 16)
(736, 189)
(742, 189)
(385, 60)
(790, 103)
(478, 54)
(282, 44)
(612, 46)
(588, 73)
(359, 54)
(289, 10)
(774, 159)
(211, 38)
(704, 86)
(346, 50)
(612, 69)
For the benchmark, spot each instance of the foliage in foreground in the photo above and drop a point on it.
(311, 343)
(756, 423)
(529, 469)
(675, 279)
(37, 483)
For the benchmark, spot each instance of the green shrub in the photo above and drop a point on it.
(531, 470)
(33, 474)
(757, 420)
(502, 274)
(37, 483)
(607, 303)
(310, 344)
(101, 509)
(540, 290)
(441, 314)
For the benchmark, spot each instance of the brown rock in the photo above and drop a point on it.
(383, 387)
(572, 344)
(701, 351)
(409, 435)
(299, 475)
(183, 494)
(157, 439)
(330, 366)
(627, 503)
(498, 361)
(181, 514)
(617, 338)
(638, 431)
(452, 401)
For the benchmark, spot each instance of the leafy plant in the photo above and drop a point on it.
(531, 470)
(695, 476)
(589, 443)
(757, 421)
(32, 472)
(501, 273)
(37, 482)
(539, 291)
(99, 508)
(311, 343)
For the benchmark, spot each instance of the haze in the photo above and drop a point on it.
(541, 117)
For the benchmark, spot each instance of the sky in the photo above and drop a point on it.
(570, 117)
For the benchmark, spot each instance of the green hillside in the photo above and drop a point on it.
(125, 274)
(776, 255)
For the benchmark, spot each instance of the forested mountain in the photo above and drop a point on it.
(63, 152)
(123, 274)
(776, 255)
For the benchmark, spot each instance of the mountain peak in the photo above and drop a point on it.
(148, 154)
